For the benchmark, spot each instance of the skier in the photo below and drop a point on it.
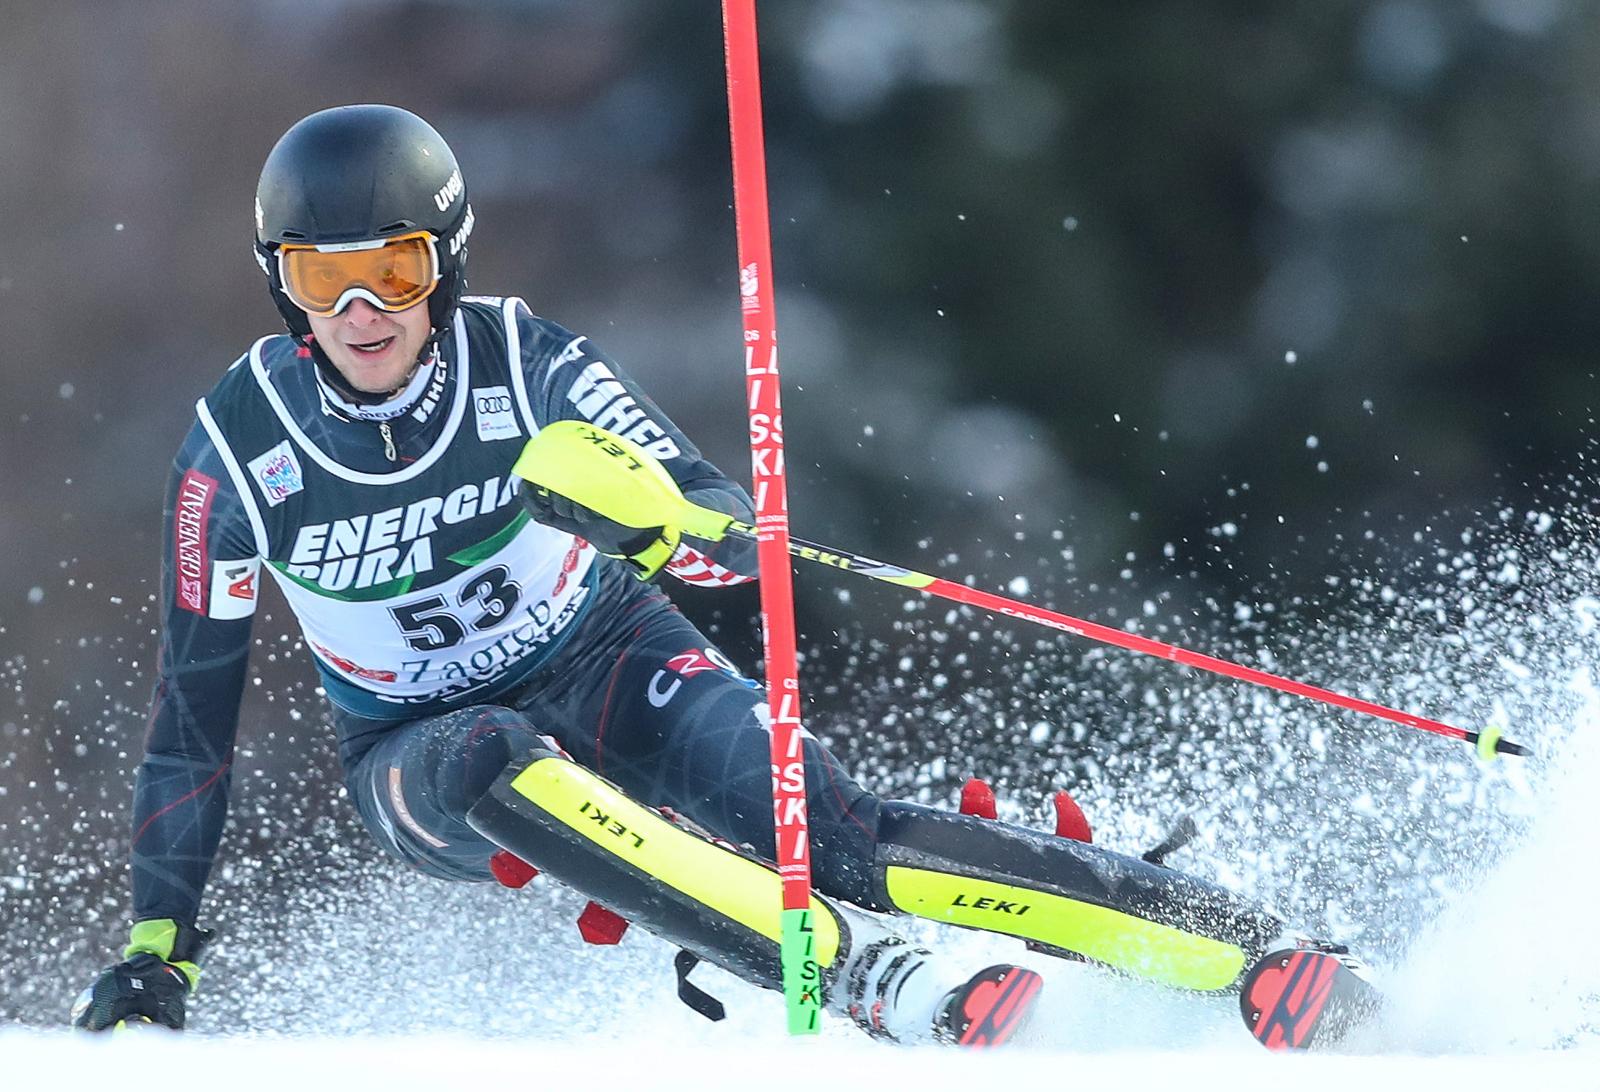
(508, 691)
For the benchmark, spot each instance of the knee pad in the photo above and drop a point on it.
(465, 750)
(490, 738)
(1067, 897)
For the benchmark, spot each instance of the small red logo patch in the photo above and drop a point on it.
(190, 519)
(350, 667)
(569, 565)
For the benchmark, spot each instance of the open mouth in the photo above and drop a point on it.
(372, 348)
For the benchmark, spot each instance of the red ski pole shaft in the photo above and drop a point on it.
(801, 973)
(1489, 741)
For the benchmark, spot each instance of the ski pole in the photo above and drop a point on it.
(1488, 743)
(801, 974)
(634, 489)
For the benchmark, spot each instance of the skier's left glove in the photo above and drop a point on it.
(645, 550)
(160, 968)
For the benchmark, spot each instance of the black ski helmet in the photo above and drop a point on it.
(355, 173)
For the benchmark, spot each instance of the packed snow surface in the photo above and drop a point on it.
(1468, 885)
(645, 1059)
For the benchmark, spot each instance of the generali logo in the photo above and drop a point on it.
(190, 517)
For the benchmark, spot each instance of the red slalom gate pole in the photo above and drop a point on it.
(802, 976)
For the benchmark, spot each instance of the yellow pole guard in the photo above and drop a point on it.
(615, 477)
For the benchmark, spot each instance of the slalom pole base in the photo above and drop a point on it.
(802, 974)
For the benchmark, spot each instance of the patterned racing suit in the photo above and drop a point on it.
(449, 630)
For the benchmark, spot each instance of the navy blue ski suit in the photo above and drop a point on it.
(272, 480)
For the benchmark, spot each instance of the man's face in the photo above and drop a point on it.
(374, 350)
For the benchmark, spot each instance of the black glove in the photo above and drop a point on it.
(646, 549)
(151, 986)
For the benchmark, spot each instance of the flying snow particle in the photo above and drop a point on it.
(1312, 442)
(36, 595)
(1291, 357)
(1018, 585)
(67, 390)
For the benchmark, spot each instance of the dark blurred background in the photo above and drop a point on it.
(1134, 308)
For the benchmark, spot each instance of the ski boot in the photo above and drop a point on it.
(895, 990)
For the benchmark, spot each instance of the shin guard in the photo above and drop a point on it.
(1067, 897)
(712, 900)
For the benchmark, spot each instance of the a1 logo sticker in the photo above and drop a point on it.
(235, 587)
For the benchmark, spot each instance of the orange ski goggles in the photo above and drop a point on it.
(391, 274)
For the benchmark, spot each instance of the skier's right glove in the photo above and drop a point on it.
(645, 550)
(160, 968)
